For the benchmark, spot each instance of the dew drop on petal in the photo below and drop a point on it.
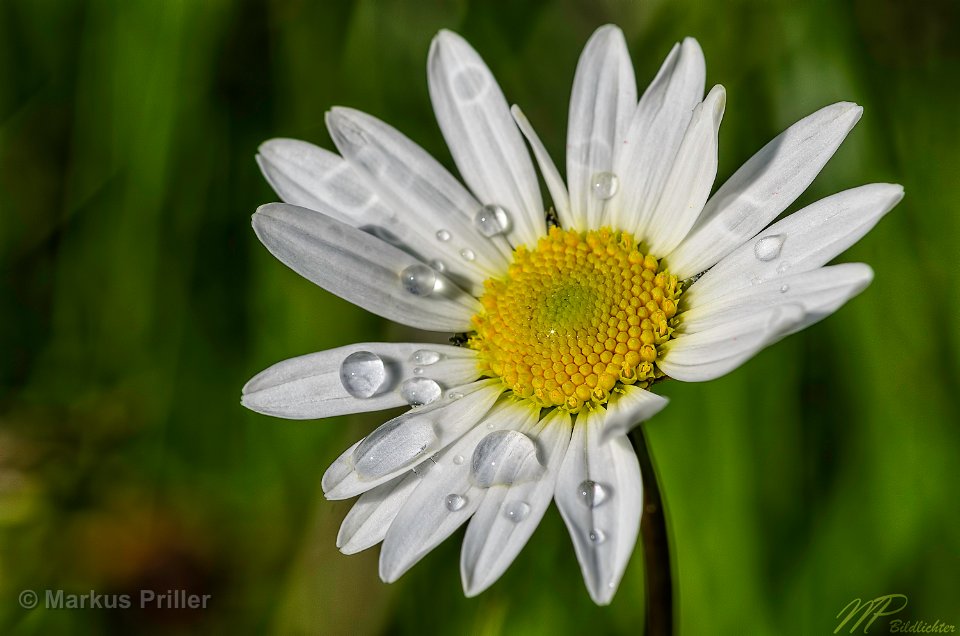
(455, 502)
(467, 254)
(443, 235)
(768, 248)
(455, 395)
(424, 357)
(604, 185)
(470, 83)
(417, 370)
(418, 279)
(516, 511)
(458, 459)
(491, 220)
(591, 493)
(362, 373)
(394, 445)
(438, 265)
(504, 457)
(784, 288)
(596, 536)
(420, 391)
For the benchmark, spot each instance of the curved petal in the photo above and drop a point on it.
(688, 185)
(509, 514)
(646, 155)
(600, 497)
(629, 409)
(399, 444)
(447, 498)
(714, 352)
(309, 387)
(551, 176)
(602, 102)
(437, 207)
(819, 292)
(482, 136)
(807, 239)
(359, 268)
(368, 521)
(763, 187)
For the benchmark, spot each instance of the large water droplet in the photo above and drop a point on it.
(467, 254)
(424, 357)
(455, 502)
(362, 374)
(492, 220)
(597, 536)
(443, 235)
(604, 185)
(516, 511)
(393, 445)
(591, 493)
(504, 457)
(768, 248)
(420, 391)
(418, 279)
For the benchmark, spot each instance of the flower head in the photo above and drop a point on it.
(566, 316)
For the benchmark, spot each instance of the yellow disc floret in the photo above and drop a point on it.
(575, 317)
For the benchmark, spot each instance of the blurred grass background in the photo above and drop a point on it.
(135, 301)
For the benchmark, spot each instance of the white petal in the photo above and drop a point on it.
(602, 102)
(427, 519)
(810, 238)
(763, 187)
(603, 534)
(508, 515)
(309, 387)
(448, 419)
(368, 521)
(646, 155)
(482, 136)
(360, 268)
(688, 185)
(555, 184)
(714, 352)
(629, 409)
(425, 195)
(819, 292)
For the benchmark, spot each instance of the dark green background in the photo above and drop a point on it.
(135, 301)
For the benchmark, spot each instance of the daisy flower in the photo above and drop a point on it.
(564, 318)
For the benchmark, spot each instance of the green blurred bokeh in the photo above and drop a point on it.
(135, 301)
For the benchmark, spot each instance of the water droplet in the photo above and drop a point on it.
(418, 279)
(455, 502)
(438, 265)
(417, 370)
(756, 280)
(591, 493)
(491, 220)
(504, 457)
(424, 357)
(362, 374)
(443, 235)
(784, 288)
(597, 536)
(467, 254)
(604, 185)
(516, 511)
(768, 248)
(458, 459)
(420, 391)
(456, 395)
(783, 266)
(393, 445)
(469, 83)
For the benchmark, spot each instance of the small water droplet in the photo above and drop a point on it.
(420, 391)
(516, 511)
(467, 254)
(443, 235)
(456, 395)
(768, 248)
(469, 83)
(438, 265)
(504, 457)
(591, 493)
(783, 266)
(417, 370)
(784, 288)
(597, 536)
(604, 185)
(418, 279)
(491, 220)
(455, 502)
(362, 374)
(458, 459)
(424, 357)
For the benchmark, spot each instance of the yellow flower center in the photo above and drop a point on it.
(575, 317)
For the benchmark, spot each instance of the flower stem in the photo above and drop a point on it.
(656, 549)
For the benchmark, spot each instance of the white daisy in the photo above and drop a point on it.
(564, 329)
